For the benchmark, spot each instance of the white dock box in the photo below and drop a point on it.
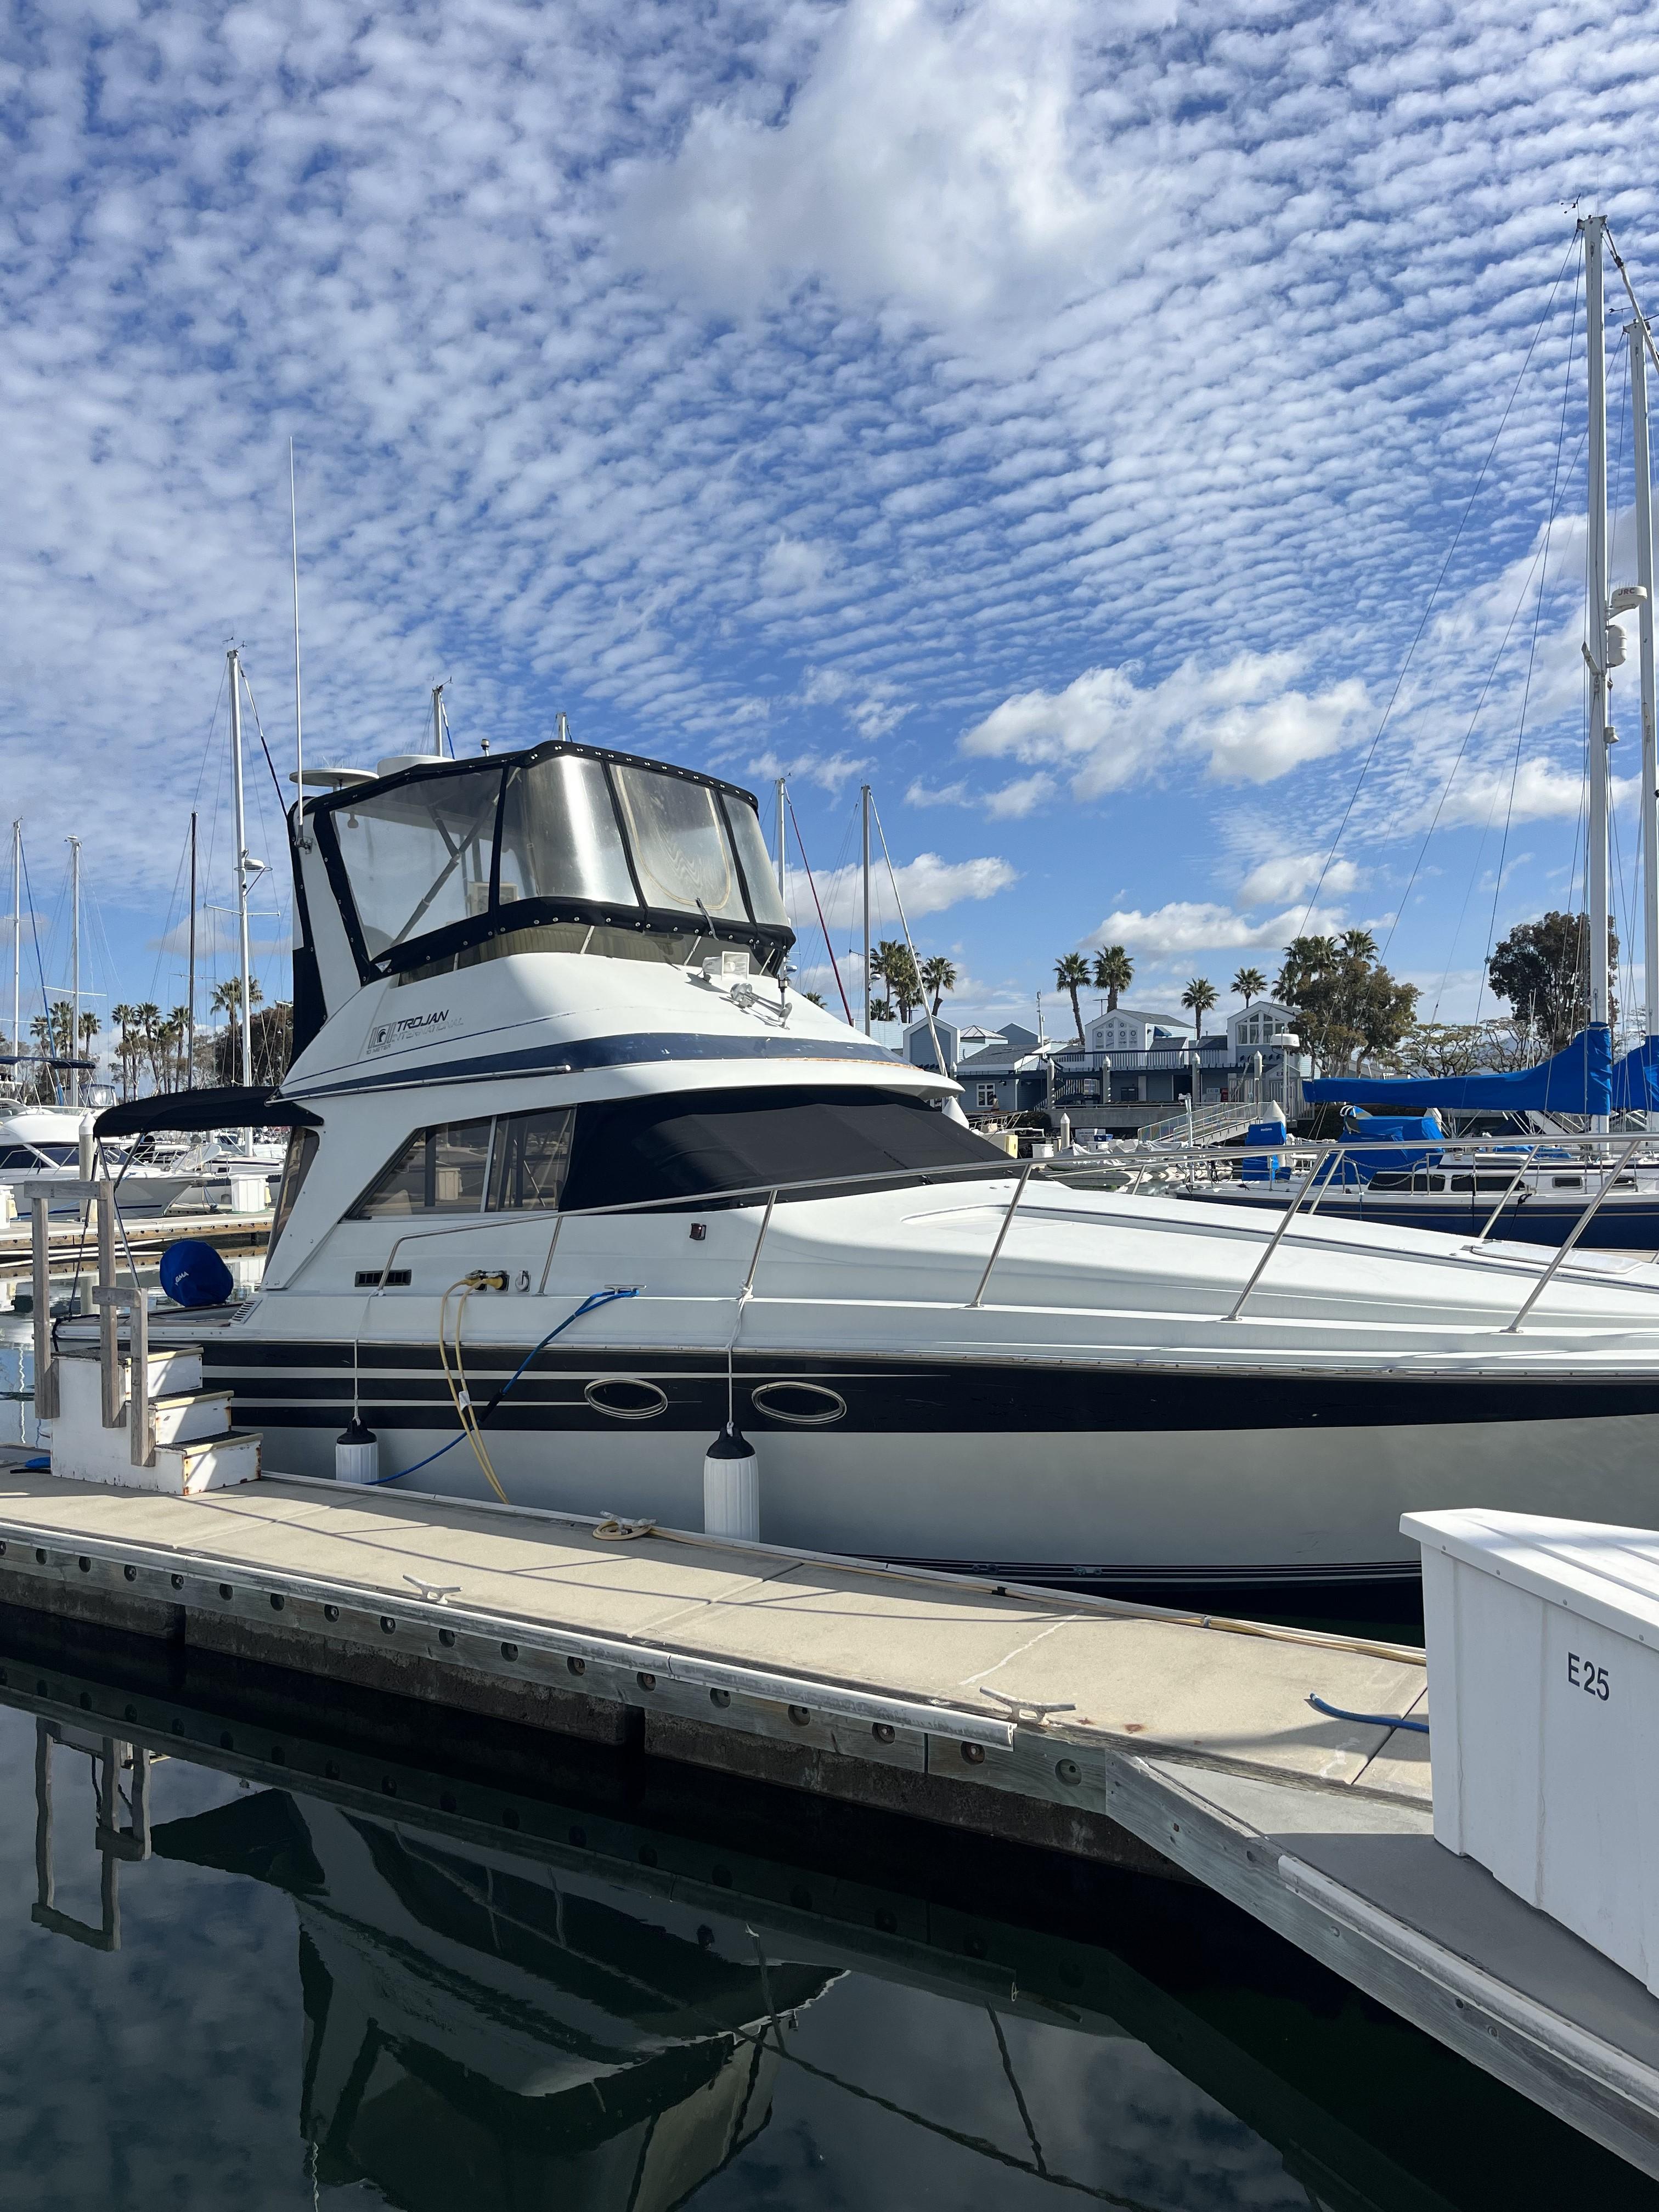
(1543, 1647)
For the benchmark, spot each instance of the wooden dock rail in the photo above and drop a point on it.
(1180, 1743)
(146, 1238)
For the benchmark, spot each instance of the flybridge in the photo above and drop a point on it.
(561, 847)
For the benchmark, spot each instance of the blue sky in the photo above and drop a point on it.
(1058, 416)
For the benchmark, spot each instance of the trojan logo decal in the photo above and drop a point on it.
(386, 1036)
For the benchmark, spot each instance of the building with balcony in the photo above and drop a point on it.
(1134, 1068)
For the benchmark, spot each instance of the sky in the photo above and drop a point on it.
(1144, 442)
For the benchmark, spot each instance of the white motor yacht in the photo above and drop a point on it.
(42, 1143)
(571, 1157)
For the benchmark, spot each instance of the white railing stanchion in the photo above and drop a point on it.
(1578, 1230)
(46, 1369)
(766, 1223)
(1493, 1217)
(1273, 1242)
(1002, 1233)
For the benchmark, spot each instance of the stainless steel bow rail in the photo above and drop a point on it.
(1326, 1158)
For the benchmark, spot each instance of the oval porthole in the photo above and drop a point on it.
(626, 1398)
(805, 1405)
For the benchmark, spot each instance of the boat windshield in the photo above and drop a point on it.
(447, 857)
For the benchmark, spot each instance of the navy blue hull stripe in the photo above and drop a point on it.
(309, 1385)
(578, 1058)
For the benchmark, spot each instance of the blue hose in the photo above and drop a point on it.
(587, 1305)
(1375, 1720)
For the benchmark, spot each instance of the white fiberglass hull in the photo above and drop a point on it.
(1097, 1414)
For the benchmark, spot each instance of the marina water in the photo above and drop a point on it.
(378, 1955)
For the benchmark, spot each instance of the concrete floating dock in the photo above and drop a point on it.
(1178, 1743)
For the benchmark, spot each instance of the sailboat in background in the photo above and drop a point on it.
(1398, 1168)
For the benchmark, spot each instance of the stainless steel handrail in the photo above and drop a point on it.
(1317, 1151)
(1002, 1233)
(1497, 1210)
(1273, 1245)
(1578, 1229)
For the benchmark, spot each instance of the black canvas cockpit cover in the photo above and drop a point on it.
(631, 1150)
(231, 1106)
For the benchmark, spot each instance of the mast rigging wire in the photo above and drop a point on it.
(1353, 797)
(909, 942)
(830, 948)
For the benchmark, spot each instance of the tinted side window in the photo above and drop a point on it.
(690, 1142)
(302, 1152)
(532, 1157)
(439, 1171)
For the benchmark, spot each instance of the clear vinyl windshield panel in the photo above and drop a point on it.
(448, 857)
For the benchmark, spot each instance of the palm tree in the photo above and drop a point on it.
(1114, 972)
(1199, 997)
(937, 976)
(178, 1030)
(1359, 945)
(228, 996)
(1250, 983)
(1071, 974)
(890, 964)
(127, 1051)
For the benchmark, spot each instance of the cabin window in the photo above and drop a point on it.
(680, 845)
(302, 1152)
(559, 834)
(630, 1151)
(439, 1171)
(418, 856)
(532, 1159)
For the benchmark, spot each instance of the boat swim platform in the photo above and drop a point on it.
(1174, 1743)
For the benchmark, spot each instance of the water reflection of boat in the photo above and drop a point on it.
(569, 1999)
(485, 2029)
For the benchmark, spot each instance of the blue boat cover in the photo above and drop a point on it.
(1263, 1167)
(1636, 1080)
(1413, 1141)
(1578, 1079)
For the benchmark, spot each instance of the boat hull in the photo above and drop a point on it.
(1136, 1475)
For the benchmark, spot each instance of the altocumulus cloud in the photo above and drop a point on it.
(1104, 382)
(1244, 721)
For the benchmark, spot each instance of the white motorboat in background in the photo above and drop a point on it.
(42, 1143)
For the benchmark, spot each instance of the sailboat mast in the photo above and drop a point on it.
(75, 972)
(17, 941)
(781, 863)
(234, 659)
(189, 980)
(1596, 617)
(865, 792)
(438, 719)
(299, 729)
(1636, 333)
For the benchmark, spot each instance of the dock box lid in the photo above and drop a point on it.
(1592, 1568)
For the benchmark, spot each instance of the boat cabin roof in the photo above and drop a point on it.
(444, 855)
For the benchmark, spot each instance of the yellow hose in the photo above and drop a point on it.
(460, 1397)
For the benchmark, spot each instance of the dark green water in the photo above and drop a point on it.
(381, 1957)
